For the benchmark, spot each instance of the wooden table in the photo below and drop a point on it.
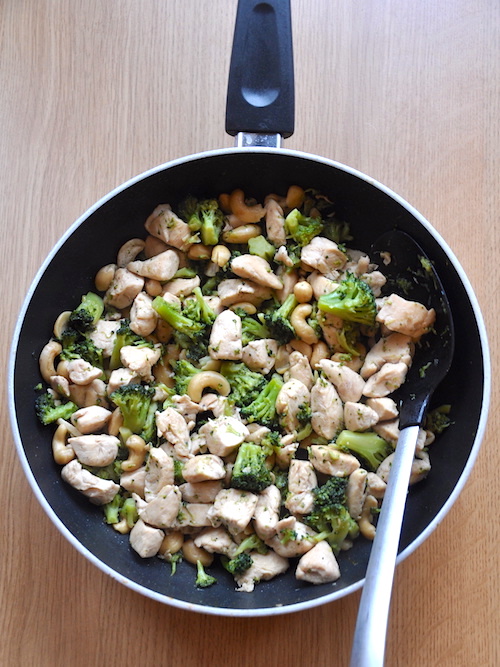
(96, 91)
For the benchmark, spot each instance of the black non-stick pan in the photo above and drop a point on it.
(260, 113)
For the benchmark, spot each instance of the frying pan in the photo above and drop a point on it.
(259, 113)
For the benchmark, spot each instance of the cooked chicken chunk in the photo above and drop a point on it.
(146, 540)
(406, 317)
(319, 565)
(203, 468)
(391, 349)
(193, 515)
(356, 492)
(95, 450)
(388, 430)
(264, 567)
(120, 377)
(143, 317)
(124, 287)
(181, 287)
(275, 223)
(389, 378)
(161, 267)
(223, 435)
(234, 290)
(257, 269)
(292, 538)
(321, 284)
(140, 359)
(323, 255)
(358, 416)
(173, 427)
(98, 491)
(267, 512)
(260, 355)
(331, 461)
(104, 335)
(200, 492)
(300, 369)
(301, 482)
(225, 337)
(134, 481)
(292, 397)
(348, 383)
(216, 541)
(81, 372)
(159, 472)
(163, 224)
(162, 511)
(419, 469)
(385, 407)
(326, 408)
(90, 419)
(234, 509)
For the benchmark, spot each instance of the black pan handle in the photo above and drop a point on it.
(260, 96)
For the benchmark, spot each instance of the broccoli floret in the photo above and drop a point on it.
(197, 309)
(125, 336)
(134, 401)
(178, 476)
(149, 430)
(239, 563)
(81, 349)
(348, 337)
(245, 384)
(438, 420)
(304, 413)
(204, 216)
(251, 543)
(112, 509)
(250, 472)
(128, 512)
(368, 445)
(278, 321)
(301, 228)
(173, 316)
(251, 328)
(353, 300)
(203, 579)
(281, 481)
(173, 559)
(86, 315)
(263, 408)
(49, 411)
(261, 247)
(183, 372)
(330, 517)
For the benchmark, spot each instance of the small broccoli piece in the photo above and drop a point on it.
(278, 321)
(438, 420)
(197, 309)
(250, 472)
(48, 410)
(81, 349)
(263, 408)
(148, 433)
(134, 401)
(367, 445)
(251, 328)
(178, 476)
(353, 300)
(348, 337)
(204, 216)
(183, 372)
(173, 559)
(245, 384)
(128, 512)
(239, 563)
(112, 509)
(173, 316)
(251, 543)
(86, 315)
(125, 336)
(336, 230)
(301, 228)
(203, 579)
(261, 247)
(304, 413)
(281, 481)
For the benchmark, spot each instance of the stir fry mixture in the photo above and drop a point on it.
(226, 389)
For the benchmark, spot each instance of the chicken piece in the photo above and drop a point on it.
(406, 317)
(140, 360)
(331, 461)
(256, 269)
(143, 317)
(389, 378)
(301, 482)
(104, 335)
(356, 492)
(321, 284)
(375, 485)
(376, 280)
(275, 223)
(285, 454)
(124, 287)
(173, 427)
(282, 257)
(187, 408)
(146, 540)
(163, 224)
(256, 432)
(323, 255)
(181, 287)
(98, 491)
(235, 290)
(95, 450)
(288, 279)
(234, 509)
(161, 267)
(159, 473)
(216, 541)
(120, 377)
(214, 403)
(319, 565)
(419, 469)
(388, 430)
(385, 407)
(134, 481)
(264, 567)
(90, 419)
(260, 355)
(292, 538)
(81, 372)
(331, 328)
(200, 492)
(225, 337)
(89, 394)
(203, 468)
(267, 512)
(223, 435)
(300, 369)
(348, 383)
(327, 412)
(358, 416)
(391, 349)
(60, 385)
(162, 511)
(292, 396)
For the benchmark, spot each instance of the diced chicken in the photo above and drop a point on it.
(348, 383)
(120, 377)
(260, 355)
(173, 427)
(292, 538)
(389, 378)
(89, 394)
(90, 419)
(214, 403)
(95, 450)
(391, 349)
(264, 567)
(223, 435)
(407, 317)
(163, 224)
(318, 566)
(323, 255)
(187, 408)
(134, 481)
(161, 267)
(216, 541)
(300, 369)
(326, 407)
(159, 473)
(81, 372)
(256, 432)
(331, 461)
(292, 396)
(203, 468)
(385, 407)
(267, 512)
(104, 335)
(146, 540)
(200, 492)
(256, 269)
(358, 416)
(331, 327)
(375, 485)
(285, 455)
(193, 516)
(225, 337)
(356, 492)
(124, 287)
(60, 385)
(140, 360)
(234, 290)
(388, 430)
(321, 284)
(288, 279)
(234, 509)
(162, 511)
(143, 317)
(98, 491)
(376, 280)
(301, 482)
(282, 257)
(275, 223)
(181, 287)
(419, 470)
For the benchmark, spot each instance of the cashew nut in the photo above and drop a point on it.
(298, 320)
(224, 204)
(242, 211)
(366, 527)
(61, 323)
(303, 291)
(199, 251)
(62, 452)
(295, 196)
(129, 251)
(104, 277)
(220, 255)
(244, 305)
(137, 449)
(172, 543)
(193, 554)
(153, 287)
(47, 358)
(302, 347)
(320, 351)
(115, 422)
(122, 527)
(153, 247)
(205, 379)
(241, 234)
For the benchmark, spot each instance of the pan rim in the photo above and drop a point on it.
(262, 611)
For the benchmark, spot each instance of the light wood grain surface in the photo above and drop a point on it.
(96, 91)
